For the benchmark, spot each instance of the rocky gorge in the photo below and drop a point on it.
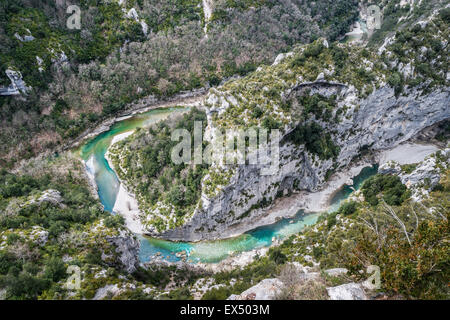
(382, 122)
(334, 115)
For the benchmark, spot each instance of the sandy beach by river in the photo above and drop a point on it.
(126, 204)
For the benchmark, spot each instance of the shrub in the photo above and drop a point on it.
(348, 208)
(277, 256)
(221, 293)
(114, 221)
(55, 269)
(388, 187)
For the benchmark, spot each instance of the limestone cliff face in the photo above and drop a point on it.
(380, 121)
(333, 104)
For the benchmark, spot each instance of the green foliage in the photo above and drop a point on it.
(8, 262)
(270, 123)
(418, 267)
(154, 177)
(321, 106)
(221, 293)
(445, 15)
(24, 286)
(315, 139)
(387, 187)
(55, 269)
(348, 208)
(340, 56)
(314, 50)
(408, 168)
(277, 256)
(396, 81)
(114, 221)
(261, 268)
(38, 234)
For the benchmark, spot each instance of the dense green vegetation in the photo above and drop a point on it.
(105, 28)
(167, 15)
(316, 140)
(35, 235)
(321, 107)
(111, 63)
(167, 192)
(387, 187)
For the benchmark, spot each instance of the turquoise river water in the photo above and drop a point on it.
(93, 153)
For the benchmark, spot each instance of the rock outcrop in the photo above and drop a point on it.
(348, 291)
(17, 85)
(51, 196)
(336, 272)
(424, 177)
(127, 246)
(267, 289)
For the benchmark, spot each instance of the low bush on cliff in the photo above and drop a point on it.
(316, 140)
(386, 187)
(39, 239)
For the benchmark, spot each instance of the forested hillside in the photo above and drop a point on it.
(79, 77)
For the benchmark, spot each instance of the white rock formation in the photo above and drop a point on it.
(336, 272)
(110, 289)
(267, 289)
(348, 291)
(17, 85)
(50, 195)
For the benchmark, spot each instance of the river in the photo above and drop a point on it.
(93, 153)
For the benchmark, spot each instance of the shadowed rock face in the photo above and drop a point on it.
(267, 289)
(378, 122)
(128, 250)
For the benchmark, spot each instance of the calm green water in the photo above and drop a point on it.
(93, 153)
(215, 251)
